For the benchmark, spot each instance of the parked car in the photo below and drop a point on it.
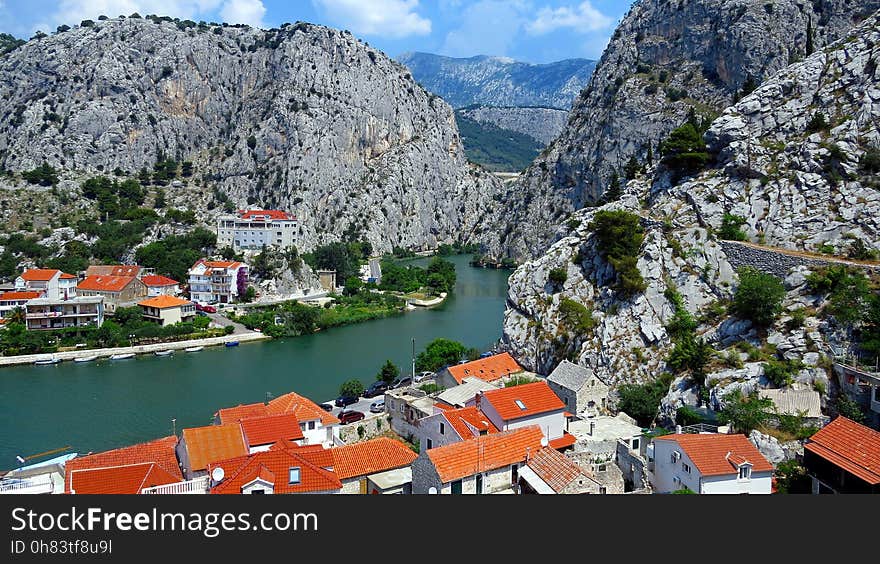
(350, 416)
(376, 388)
(422, 376)
(205, 308)
(343, 401)
(326, 406)
(400, 382)
(201, 313)
(377, 406)
(486, 354)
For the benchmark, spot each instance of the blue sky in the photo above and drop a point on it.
(536, 31)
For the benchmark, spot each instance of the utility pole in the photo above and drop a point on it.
(174, 426)
(414, 359)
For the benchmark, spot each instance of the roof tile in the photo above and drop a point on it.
(853, 447)
(523, 400)
(718, 454)
(271, 429)
(489, 369)
(159, 451)
(484, 453)
(214, 442)
(370, 457)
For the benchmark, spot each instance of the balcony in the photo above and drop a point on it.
(199, 486)
(43, 484)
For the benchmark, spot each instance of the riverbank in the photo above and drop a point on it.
(427, 302)
(138, 349)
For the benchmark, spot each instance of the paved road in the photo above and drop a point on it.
(223, 321)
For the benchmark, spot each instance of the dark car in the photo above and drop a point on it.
(400, 382)
(342, 401)
(350, 416)
(326, 406)
(376, 388)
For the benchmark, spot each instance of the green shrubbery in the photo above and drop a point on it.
(577, 317)
(443, 352)
(758, 297)
(619, 236)
(684, 151)
(731, 228)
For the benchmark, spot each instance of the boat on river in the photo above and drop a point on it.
(194, 349)
(169, 352)
(89, 358)
(231, 343)
(50, 360)
(122, 356)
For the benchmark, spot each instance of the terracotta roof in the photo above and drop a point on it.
(155, 280)
(304, 409)
(523, 401)
(66, 276)
(212, 443)
(459, 419)
(105, 283)
(160, 451)
(556, 469)
(565, 441)
(217, 263)
(274, 466)
(480, 454)
(712, 453)
(19, 296)
(259, 214)
(128, 479)
(489, 369)
(113, 270)
(39, 274)
(235, 414)
(370, 457)
(851, 446)
(164, 302)
(270, 429)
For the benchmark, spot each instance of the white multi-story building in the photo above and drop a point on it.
(46, 313)
(216, 281)
(54, 284)
(255, 229)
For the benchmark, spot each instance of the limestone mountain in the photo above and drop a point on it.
(665, 58)
(304, 118)
(794, 168)
(500, 81)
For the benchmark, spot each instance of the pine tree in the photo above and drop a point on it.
(614, 191)
(809, 36)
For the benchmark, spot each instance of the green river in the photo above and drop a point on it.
(107, 404)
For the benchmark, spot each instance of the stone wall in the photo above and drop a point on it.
(773, 262)
(373, 427)
(632, 466)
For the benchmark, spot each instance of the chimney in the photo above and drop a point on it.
(528, 449)
(592, 428)
(678, 429)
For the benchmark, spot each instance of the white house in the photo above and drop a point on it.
(317, 426)
(453, 425)
(526, 405)
(54, 284)
(709, 463)
(212, 281)
(254, 229)
(161, 285)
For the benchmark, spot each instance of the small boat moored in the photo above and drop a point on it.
(122, 356)
(194, 349)
(231, 343)
(89, 358)
(50, 360)
(169, 352)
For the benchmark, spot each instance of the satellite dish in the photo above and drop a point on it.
(432, 490)
(544, 441)
(217, 474)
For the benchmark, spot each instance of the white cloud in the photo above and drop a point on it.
(488, 27)
(389, 18)
(248, 12)
(582, 18)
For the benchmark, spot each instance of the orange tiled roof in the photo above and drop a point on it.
(480, 454)
(214, 442)
(851, 446)
(128, 479)
(66, 276)
(39, 274)
(712, 453)
(304, 409)
(556, 469)
(270, 429)
(113, 270)
(105, 283)
(274, 466)
(19, 296)
(219, 263)
(369, 457)
(155, 280)
(489, 369)
(259, 214)
(565, 441)
(524, 400)
(160, 451)
(235, 414)
(164, 302)
(459, 419)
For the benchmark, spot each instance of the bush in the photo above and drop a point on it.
(440, 353)
(686, 415)
(641, 401)
(351, 387)
(558, 276)
(430, 388)
(691, 354)
(758, 297)
(781, 372)
(745, 413)
(817, 123)
(619, 236)
(684, 151)
(44, 175)
(388, 373)
(730, 228)
(792, 478)
(576, 316)
(849, 409)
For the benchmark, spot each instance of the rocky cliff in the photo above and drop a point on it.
(664, 59)
(500, 81)
(304, 118)
(541, 124)
(798, 184)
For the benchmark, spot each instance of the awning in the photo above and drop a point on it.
(566, 440)
(535, 481)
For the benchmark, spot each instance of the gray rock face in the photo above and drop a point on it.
(499, 81)
(303, 118)
(664, 58)
(542, 124)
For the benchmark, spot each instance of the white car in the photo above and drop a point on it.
(377, 406)
(422, 376)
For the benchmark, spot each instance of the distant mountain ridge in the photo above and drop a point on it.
(500, 81)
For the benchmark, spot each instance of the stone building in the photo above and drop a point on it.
(578, 387)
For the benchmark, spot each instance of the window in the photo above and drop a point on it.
(520, 404)
(442, 428)
(635, 444)
(686, 467)
(430, 443)
(258, 491)
(311, 425)
(294, 475)
(745, 472)
(514, 473)
(455, 487)
(479, 485)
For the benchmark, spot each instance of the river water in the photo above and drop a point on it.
(107, 404)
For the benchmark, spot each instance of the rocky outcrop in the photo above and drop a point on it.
(500, 81)
(304, 118)
(541, 124)
(664, 59)
(778, 177)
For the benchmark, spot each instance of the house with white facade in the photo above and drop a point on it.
(53, 284)
(46, 313)
(10, 301)
(709, 463)
(255, 229)
(213, 281)
(449, 426)
(282, 469)
(161, 285)
(527, 405)
(579, 388)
